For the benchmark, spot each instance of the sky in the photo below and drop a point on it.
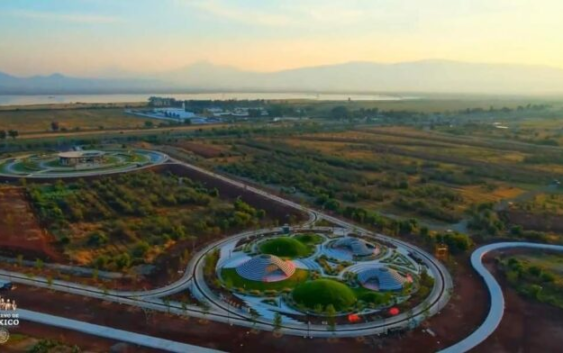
(111, 37)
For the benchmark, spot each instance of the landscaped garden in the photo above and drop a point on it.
(287, 247)
(130, 219)
(320, 293)
(233, 280)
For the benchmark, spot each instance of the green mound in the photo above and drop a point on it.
(324, 292)
(309, 238)
(285, 247)
(233, 280)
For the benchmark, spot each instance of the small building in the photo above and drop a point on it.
(358, 248)
(266, 268)
(383, 279)
(174, 113)
(80, 157)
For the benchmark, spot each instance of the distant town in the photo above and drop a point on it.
(200, 112)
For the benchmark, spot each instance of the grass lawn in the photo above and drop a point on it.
(309, 238)
(285, 247)
(324, 292)
(231, 277)
(84, 119)
(26, 167)
(370, 296)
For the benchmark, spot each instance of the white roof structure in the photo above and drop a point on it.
(357, 247)
(80, 154)
(382, 279)
(266, 268)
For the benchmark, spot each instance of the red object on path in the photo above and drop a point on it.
(394, 311)
(353, 318)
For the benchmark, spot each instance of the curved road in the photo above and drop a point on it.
(163, 158)
(496, 311)
(221, 311)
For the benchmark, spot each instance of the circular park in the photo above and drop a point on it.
(315, 274)
(78, 162)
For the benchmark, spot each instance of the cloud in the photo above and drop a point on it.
(247, 16)
(61, 17)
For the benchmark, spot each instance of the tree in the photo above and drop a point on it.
(205, 309)
(277, 321)
(340, 112)
(254, 315)
(3, 134)
(55, 125)
(13, 134)
(166, 303)
(50, 281)
(331, 314)
(149, 124)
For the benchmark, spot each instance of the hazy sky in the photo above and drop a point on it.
(87, 37)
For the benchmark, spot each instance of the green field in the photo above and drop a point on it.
(536, 275)
(324, 292)
(309, 238)
(34, 121)
(232, 279)
(285, 247)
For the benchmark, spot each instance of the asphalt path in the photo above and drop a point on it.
(222, 312)
(496, 311)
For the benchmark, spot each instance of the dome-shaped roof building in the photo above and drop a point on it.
(357, 247)
(266, 268)
(382, 279)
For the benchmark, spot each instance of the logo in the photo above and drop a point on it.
(4, 335)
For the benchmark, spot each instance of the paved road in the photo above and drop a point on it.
(220, 311)
(163, 158)
(112, 333)
(437, 299)
(496, 311)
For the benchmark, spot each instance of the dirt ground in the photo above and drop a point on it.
(36, 332)
(541, 222)
(527, 326)
(461, 317)
(20, 232)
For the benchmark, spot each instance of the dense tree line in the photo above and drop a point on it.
(145, 212)
(533, 281)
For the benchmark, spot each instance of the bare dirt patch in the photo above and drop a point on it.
(541, 222)
(204, 150)
(20, 231)
(527, 326)
(459, 319)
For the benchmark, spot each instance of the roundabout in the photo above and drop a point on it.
(378, 289)
(323, 266)
(78, 163)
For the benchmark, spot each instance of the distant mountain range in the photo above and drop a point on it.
(428, 76)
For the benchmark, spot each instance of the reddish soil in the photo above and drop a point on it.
(20, 232)
(541, 222)
(204, 150)
(527, 326)
(460, 318)
(67, 337)
(167, 265)
(282, 213)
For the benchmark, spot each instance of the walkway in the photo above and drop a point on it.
(111, 333)
(496, 311)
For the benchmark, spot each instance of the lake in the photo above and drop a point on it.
(131, 98)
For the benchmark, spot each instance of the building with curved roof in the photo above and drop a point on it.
(266, 268)
(382, 279)
(80, 157)
(357, 247)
